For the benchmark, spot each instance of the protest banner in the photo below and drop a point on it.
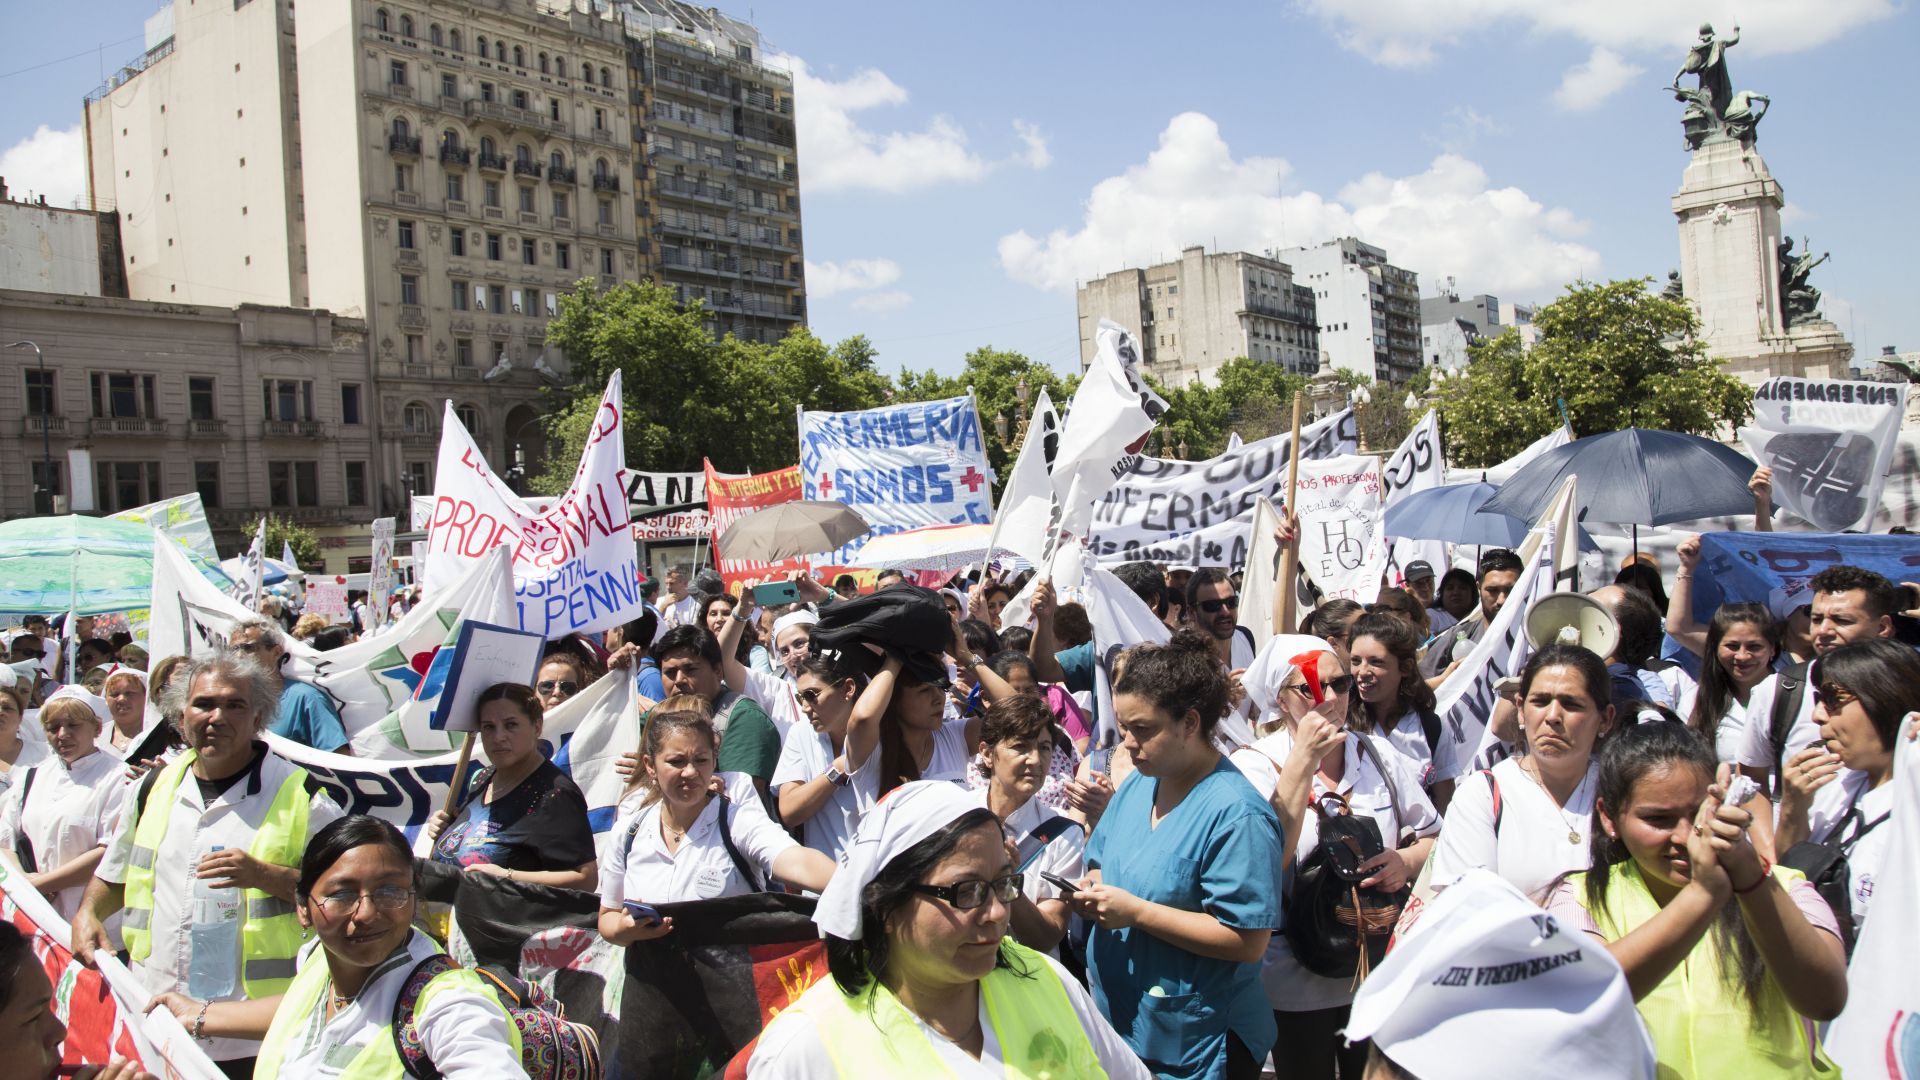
(681, 525)
(731, 497)
(902, 466)
(1199, 513)
(660, 490)
(1740, 566)
(576, 568)
(101, 1007)
(1417, 465)
(1343, 545)
(483, 656)
(1878, 1033)
(327, 598)
(1829, 444)
(183, 517)
(380, 574)
(1026, 502)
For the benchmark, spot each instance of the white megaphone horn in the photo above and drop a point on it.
(1571, 618)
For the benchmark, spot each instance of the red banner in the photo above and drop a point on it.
(731, 497)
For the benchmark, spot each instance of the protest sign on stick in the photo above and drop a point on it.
(902, 467)
(1290, 554)
(1342, 542)
(380, 574)
(1829, 444)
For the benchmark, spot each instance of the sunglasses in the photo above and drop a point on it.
(967, 895)
(558, 686)
(1212, 607)
(1834, 696)
(1339, 684)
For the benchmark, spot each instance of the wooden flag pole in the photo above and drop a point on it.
(1290, 555)
(459, 775)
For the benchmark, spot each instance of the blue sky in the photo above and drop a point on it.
(959, 174)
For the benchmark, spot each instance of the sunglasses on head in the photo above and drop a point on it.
(558, 686)
(1212, 607)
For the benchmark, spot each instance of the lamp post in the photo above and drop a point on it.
(519, 470)
(46, 420)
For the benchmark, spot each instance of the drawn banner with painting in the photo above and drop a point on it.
(901, 467)
(576, 567)
(1200, 513)
(1343, 540)
(1829, 444)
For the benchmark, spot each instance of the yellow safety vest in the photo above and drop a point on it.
(1700, 1023)
(1040, 1034)
(270, 931)
(379, 1059)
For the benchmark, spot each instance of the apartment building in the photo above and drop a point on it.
(1368, 309)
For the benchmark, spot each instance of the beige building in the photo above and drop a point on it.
(56, 249)
(259, 409)
(1197, 312)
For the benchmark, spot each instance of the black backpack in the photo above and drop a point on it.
(1790, 691)
(1337, 928)
(1825, 865)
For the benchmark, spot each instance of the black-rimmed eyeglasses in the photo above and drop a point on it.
(967, 895)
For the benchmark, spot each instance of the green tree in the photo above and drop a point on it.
(1252, 397)
(282, 532)
(1617, 354)
(995, 376)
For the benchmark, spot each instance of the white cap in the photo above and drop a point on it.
(798, 617)
(80, 693)
(1484, 970)
(1783, 601)
(905, 816)
(959, 598)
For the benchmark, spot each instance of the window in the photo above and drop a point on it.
(490, 194)
(434, 35)
(453, 40)
(49, 479)
(403, 178)
(606, 261)
(600, 167)
(560, 204)
(206, 480)
(599, 119)
(356, 474)
(480, 298)
(526, 199)
(415, 420)
(410, 289)
(459, 295)
(480, 45)
(350, 403)
(493, 246)
(123, 396)
(521, 100)
(586, 74)
(606, 78)
(543, 64)
(382, 20)
(563, 255)
(486, 94)
(123, 485)
(553, 109)
(606, 211)
(40, 392)
(459, 241)
(416, 349)
(293, 483)
(397, 73)
(529, 255)
(553, 305)
(405, 234)
(519, 56)
(500, 51)
(287, 399)
(449, 87)
(456, 192)
(497, 299)
(462, 352)
(468, 416)
(200, 397)
(419, 478)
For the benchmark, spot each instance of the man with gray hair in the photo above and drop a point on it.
(306, 715)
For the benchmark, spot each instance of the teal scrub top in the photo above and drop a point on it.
(1218, 852)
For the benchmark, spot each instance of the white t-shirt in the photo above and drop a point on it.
(790, 1046)
(1291, 987)
(1410, 740)
(949, 762)
(1731, 733)
(1536, 841)
(71, 811)
(1830, 806)
(805, 754)
(1756, 741)
(775, 697)
(701, 870)
(676, 612)
(466, 1036)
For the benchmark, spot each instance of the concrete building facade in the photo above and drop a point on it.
(1368, 309)
(56, 249)
(1195, 313)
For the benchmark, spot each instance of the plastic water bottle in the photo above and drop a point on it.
(214, 967)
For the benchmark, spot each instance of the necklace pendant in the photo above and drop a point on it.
(1573, 837)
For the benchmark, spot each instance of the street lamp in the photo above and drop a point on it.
(46, 420)
(518, 472)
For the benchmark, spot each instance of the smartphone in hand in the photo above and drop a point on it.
(776, 592)
(1066, 887)
(642, 913)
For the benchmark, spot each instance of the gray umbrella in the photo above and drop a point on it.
(792, 529)
(1634, 477)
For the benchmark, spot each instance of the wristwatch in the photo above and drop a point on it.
(838, 778)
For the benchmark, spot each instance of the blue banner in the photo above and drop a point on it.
(902, 467)
(1750, 566)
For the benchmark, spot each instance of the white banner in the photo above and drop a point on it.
(1199, 513)
(1112, 413)
(901, 467)
(182, 517)
(1501, 473)
(1829, 445)
(1878, 1034)
(575, 566)
(1343, 543)
(1416, 466)
(685, 525)
(380, 575)
(1261, 585)
(646, 490)
(1026, 503)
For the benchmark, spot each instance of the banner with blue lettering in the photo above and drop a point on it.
(901, 467)
(1741, 566)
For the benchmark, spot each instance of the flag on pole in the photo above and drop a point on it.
(1107, 425)
(286, 554)
(1026, 503)
(251, 577)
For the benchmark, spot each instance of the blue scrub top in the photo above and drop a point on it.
(1218, 852)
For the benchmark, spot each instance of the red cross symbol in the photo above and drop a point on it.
(972, 479)
(826, 485)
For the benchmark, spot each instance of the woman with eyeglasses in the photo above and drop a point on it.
(1183, 866)
(521, 817)
(926, 980)
(357, 892)
(1742, 642)
(1315, 757)
(1839, 791)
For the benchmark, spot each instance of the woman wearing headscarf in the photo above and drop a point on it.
(792, 634)
(56, 822)
(125, 692)
(926, 981)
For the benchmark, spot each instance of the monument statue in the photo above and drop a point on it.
(1712, 108)
(1798, 300)
(1708, 59)
(1674, 290)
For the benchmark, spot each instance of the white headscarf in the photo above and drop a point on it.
(81, 694)
(905, 816)
(959, 598)
(796, 617)
(1273, 666)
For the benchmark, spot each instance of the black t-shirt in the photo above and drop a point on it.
(214, 788)
(540, 825)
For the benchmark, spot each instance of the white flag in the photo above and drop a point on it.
(254, 575)
(1829, 444)
(1501, 473)
(1026, 504)
(1262, 581)
(1120, 620)
(1112, 413)
(1416, 466)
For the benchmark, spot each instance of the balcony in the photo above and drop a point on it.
(604, 135)
(419, 439)
(52, 425)
(403, 144)
(292, 429)
(493, 162)
(206, 429)
(506, 114)
(412, 317)
(606, 183)
(128, 425)
(400, 90)
(560, 174)
(456, 155)
(523, 167)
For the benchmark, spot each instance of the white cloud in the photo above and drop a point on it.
(876, 303)
(47, 162)
(1463, 127)
(841, 155)
(1034, 140)
(1408, 33)
(855, 275)
(1191, 190)
(1585, 86)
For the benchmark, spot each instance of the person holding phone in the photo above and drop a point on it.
(1017, 738)
(792, 636)
(685, 841)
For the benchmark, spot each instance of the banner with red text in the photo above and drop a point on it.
(731, 497)
(576, 567)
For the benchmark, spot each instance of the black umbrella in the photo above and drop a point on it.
(1634, 477)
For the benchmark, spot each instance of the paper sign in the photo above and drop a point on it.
(327, 597)
(483, 656)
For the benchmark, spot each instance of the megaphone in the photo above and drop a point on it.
(1571, 618)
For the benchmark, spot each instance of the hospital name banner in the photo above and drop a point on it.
(576, 567)
(1343, 542)
(1199, 513)
(731, 497)
(901, 467)
(1829, 444)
